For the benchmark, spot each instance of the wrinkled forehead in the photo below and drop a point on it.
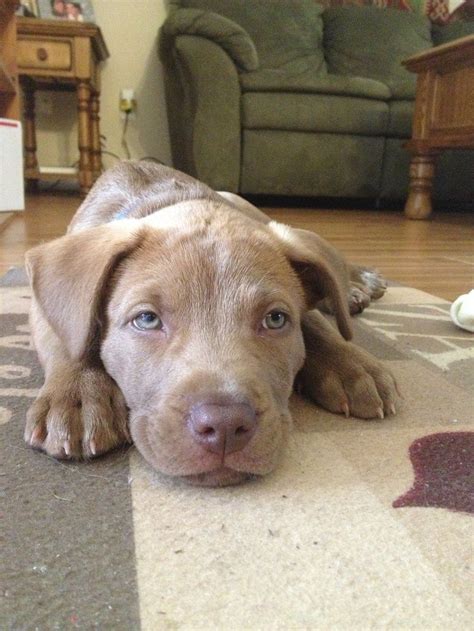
(208, 267)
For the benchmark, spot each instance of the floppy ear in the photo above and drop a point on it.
(316, 264)
(69, 277)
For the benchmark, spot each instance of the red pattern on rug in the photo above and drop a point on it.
(443, 465)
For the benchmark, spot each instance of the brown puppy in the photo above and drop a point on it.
(183, 316)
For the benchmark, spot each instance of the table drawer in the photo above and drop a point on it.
(45, 54)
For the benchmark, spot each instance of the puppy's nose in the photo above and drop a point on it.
(222, 429)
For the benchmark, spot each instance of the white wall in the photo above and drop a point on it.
(130, 30)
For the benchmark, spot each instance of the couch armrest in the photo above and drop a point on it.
(203, 102)
(224, 32)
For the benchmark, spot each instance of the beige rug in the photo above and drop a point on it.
(316, 545)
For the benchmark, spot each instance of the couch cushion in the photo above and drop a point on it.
(284, 81)
(292, 163)
(286, 33)
(402, 88)
(305, 112)
(370, 42)
(400, 119)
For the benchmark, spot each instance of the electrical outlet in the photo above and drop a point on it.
(127, 103)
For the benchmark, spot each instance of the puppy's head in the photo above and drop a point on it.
(196, 314)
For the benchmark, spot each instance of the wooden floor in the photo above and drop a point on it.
(436, 256)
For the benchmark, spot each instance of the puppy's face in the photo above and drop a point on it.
(203, 337)
(196, 313)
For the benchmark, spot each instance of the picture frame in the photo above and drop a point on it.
(28, 8)
(73, 10)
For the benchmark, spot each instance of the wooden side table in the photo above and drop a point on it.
(9, 98)
(444, 114)
(62, 55)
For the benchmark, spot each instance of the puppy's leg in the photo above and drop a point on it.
(342, 377)
(80, 411)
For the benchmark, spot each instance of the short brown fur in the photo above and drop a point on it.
(213, 267)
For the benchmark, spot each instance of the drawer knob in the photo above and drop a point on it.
(42, 54)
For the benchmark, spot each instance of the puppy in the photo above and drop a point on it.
(179, 318)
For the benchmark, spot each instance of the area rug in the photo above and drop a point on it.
(365, 525)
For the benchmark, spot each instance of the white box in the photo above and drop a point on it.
(12, 196)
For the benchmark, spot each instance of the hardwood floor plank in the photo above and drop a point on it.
(435, 256)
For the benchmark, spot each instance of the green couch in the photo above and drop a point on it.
(285, 97)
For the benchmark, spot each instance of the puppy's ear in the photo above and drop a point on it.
(318, 273)
(69, 278)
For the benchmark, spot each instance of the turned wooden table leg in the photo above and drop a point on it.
(95, 136)
(31, 161)
(84, 107)
(418, 204)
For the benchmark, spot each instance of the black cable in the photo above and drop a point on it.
(110, 153)
(124, 134)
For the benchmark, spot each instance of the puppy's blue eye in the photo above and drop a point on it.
(147, 321)
(275, 320)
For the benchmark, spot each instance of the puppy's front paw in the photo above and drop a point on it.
(373, 283)
(351, 383)
(358, 300)
(79, 413)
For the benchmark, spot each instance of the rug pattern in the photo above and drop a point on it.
(316, 545)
